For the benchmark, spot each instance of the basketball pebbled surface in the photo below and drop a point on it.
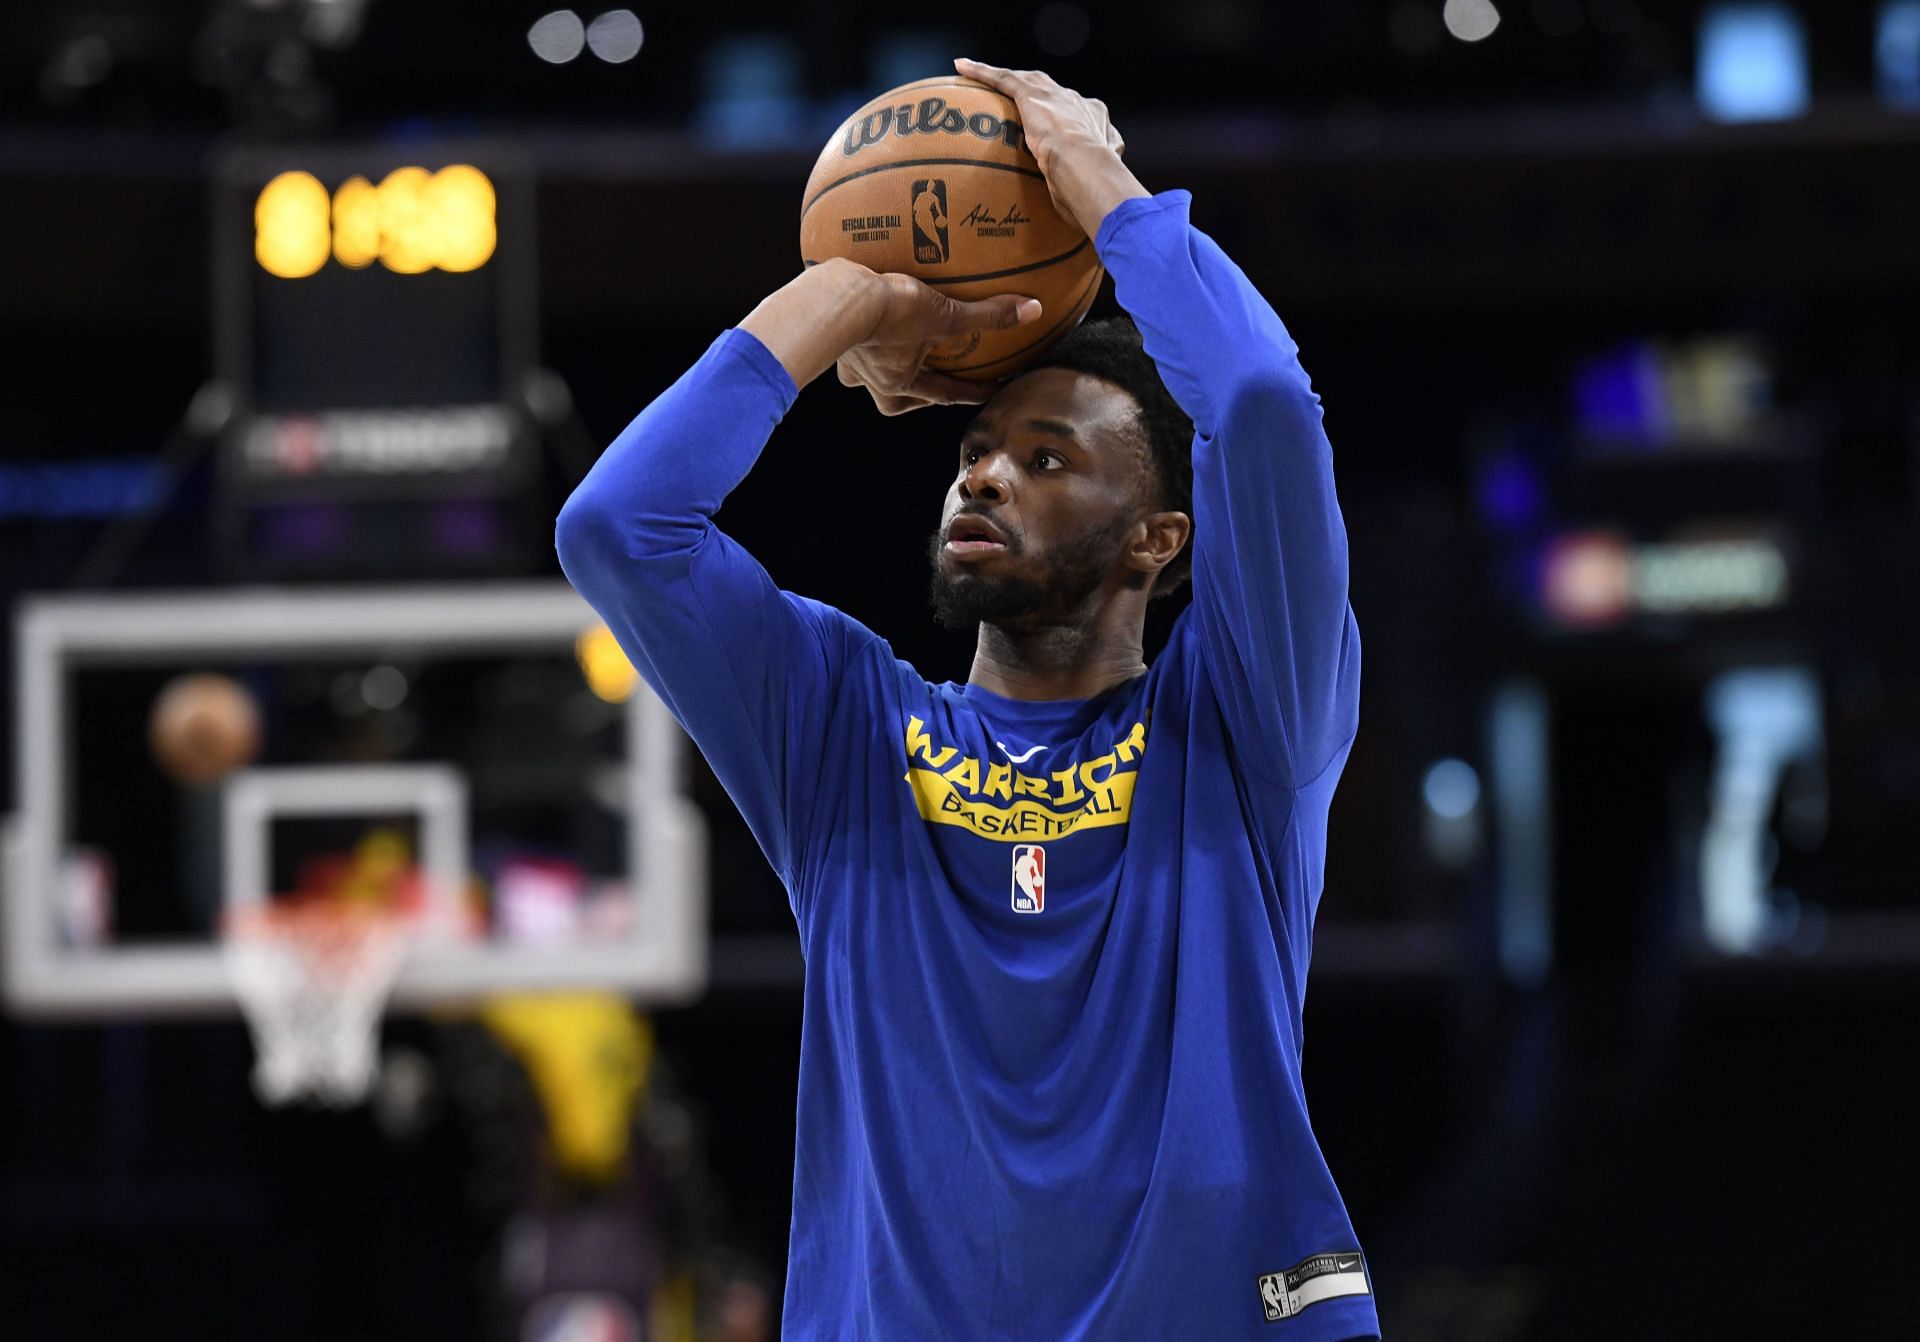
(934, 180)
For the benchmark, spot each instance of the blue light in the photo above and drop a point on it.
(902, 57)
(1509, 492)
(1896, 53)
(1618, 397)
(752, 96)
(1752, 63)
(1451, 789)
(64, 490)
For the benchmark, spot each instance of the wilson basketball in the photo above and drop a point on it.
(202, 728)
(933, 179)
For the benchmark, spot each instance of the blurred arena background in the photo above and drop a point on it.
(1611, 304)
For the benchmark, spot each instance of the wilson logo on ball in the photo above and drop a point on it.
(930, 221)
(931, 117)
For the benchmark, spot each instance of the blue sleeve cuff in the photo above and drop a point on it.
(758, 357)
(1139, 207)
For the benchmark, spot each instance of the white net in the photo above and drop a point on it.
(313, 981)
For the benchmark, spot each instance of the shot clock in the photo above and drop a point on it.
(374, 322)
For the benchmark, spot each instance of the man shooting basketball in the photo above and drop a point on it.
(1057, 919)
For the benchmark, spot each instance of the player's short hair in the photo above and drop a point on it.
(1111, 349)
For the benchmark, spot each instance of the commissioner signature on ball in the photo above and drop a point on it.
(979, 215)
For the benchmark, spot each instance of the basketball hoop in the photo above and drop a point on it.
(313, 977)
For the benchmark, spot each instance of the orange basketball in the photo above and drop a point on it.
(203, 727)
(933, 180)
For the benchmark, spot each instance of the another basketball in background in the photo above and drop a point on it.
(203, 727)
(933, 179)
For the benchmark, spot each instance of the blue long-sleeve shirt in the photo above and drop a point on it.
(1056, 951)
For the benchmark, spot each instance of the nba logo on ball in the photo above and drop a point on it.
(929, 221)
(1029, 878)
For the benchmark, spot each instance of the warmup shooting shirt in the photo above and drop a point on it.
(1056, 952)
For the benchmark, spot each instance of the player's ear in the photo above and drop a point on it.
(1157, 540)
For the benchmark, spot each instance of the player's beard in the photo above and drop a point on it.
(965, 598)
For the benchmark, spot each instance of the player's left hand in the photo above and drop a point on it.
(912, 319)
(1070, 136)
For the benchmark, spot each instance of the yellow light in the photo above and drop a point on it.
(356, 223)
(412, 222)
(290, 234)
(609, 674)
(461, 204)
(406, 232)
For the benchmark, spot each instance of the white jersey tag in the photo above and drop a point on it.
(1325, 1276)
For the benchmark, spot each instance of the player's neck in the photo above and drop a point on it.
(1058, 661)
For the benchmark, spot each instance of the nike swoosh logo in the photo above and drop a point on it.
(1022, 758)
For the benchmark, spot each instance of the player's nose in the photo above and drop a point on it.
(987, 479)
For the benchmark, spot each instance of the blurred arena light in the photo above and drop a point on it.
(384, 688)
(1763, 719)
(753, 93)
(1521, 784)
(1450, 828)
(616, 36)
(609, 674)
(557, 37)
(1896, 53)
(906, 54)
(1451, 789)
(100, 487)
(79, 65)
(1062, 29)
(1470, 20)
(1752, 62)
(1587, 580)
(334, 24)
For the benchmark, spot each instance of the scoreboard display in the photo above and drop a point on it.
(375, 322)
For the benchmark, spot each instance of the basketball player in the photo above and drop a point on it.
(1057, 918)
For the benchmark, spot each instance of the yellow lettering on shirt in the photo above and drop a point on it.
(1014, 807)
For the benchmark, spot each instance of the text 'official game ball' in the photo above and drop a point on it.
(202, 727)
(933, 179)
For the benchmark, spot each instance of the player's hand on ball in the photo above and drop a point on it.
(1071, 137)
(915, 318)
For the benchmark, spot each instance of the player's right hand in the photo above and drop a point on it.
(915, 319)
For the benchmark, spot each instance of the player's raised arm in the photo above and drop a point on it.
(749, 670)
(1270, 547)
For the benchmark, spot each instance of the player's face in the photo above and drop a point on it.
(1049, 484)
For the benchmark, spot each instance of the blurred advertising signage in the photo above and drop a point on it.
(411, 222)
(1600, 579)
(424, 441)
(1711, 391)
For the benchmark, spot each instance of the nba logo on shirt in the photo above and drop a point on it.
(1029, 878)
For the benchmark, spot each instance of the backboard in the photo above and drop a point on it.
(487, 739)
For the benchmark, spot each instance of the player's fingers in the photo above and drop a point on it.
(941, 389)
(998, 313)
(847, 377)
(999, 77)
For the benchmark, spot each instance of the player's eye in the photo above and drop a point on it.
(1045, 461)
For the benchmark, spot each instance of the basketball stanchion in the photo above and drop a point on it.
(313, 977)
